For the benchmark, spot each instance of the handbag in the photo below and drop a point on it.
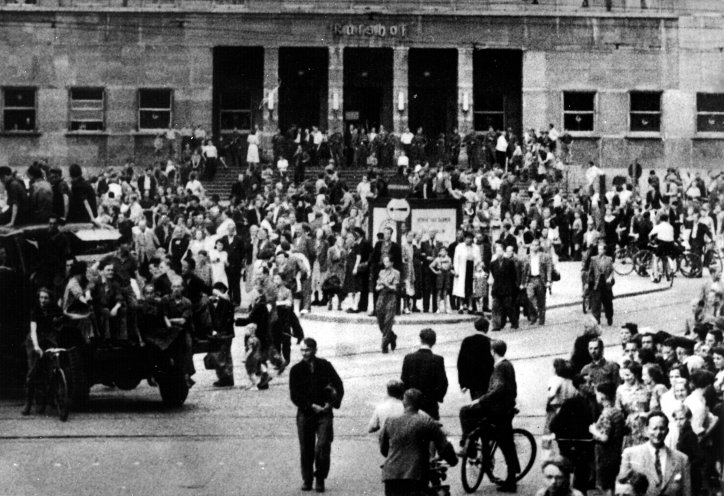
(555, 275)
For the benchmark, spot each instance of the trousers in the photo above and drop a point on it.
(385, 309)
(315, 443)
(536, 291)
(503, 310)
(224, 362)
(602, 297)
(471, 417)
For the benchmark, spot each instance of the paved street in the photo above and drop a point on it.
(239, 442)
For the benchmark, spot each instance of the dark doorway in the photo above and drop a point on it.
(432, 80)
(238, 89)
(368, 87)
(498, 90)
(303, 74)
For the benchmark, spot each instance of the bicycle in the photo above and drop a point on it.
(623, 260)
(436, 476)
(56, 388)
(482, 455)
(692, 264)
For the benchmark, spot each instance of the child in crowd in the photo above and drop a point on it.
(253, 360)
(442, 268)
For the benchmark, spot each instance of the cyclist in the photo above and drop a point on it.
(44, 334)
(498, 407)
(698, 237)
(663, 232)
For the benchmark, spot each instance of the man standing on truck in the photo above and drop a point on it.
(109, 304)
(17, 198)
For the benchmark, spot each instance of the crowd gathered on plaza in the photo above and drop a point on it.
(282, 242)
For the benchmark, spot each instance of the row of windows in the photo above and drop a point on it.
(87, 107)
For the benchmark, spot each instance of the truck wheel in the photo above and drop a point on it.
(173, 386)
(77, 376)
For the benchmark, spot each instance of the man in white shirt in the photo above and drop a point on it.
(592, 174)
(390, 406)
(553, 136)
(501, 148)
(663, 232)
(406, 140)
(403, 160)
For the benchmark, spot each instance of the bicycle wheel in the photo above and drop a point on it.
(60, 394)
(471, 466)
(687, 262)
(526, 450)
(623, 262)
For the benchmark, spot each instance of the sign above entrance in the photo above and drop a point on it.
(370, 30)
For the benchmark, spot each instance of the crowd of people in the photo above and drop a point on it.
(284, 242)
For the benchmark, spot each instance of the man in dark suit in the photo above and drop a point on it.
(234, 246)
(497, 405)
(146, 182)
(362, 274)
(425, 371)
(507, 239)
(667, 470)
(222, 315)
(475, 363)
(428, 252)
(505, 288)
(315, 390)
(600, 284)
(535, 281)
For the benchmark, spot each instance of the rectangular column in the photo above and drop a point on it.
(465, 90)
(335, 93)
(400, 86)
(270, 119)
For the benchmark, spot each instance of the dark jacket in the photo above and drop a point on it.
(475, 363)
(259, 315)
(222, 315)
(307, 388)
(425, 371)
(235, 249)
(502, 391)
(395, 256)
(505, 277)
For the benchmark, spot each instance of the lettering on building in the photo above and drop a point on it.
(370, 30)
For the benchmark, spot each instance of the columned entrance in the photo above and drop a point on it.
(498, 90)
(237, 89)
(303, 77)
(433, 90)
(368, 87)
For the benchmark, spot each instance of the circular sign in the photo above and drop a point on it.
(398, 209)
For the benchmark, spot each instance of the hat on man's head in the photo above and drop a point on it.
(220, 286)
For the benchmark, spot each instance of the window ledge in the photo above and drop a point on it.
(87, 133)
(148, 132)
(642, 135)
(708, 136)
(585, 134)
(21, 134)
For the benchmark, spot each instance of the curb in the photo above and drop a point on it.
(344, 318)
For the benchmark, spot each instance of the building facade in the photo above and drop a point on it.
(94, 81)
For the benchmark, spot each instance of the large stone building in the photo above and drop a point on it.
(93, 81)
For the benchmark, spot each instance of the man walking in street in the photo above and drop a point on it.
(315, 390)
(475, 363)
(498, 407)
(505, 288)
(405, 444)
(600, 284)
(387, 287)
(425, 371)
(535, 281)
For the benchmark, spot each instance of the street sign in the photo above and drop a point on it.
(398, 209)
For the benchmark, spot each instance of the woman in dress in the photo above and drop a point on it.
(408, 271)
(633, 398)
(319, 268)
(560, 389)
(219, 261)
(75, 300)
(336, 272)
(252, 152)
(197, 243)
(608, 434)
(349, 284)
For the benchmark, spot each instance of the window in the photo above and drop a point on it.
(489, 111)
(235, 111)
(154, 109)
(710, 112)
(645, 112)
(579, 109)
(87, 109)
(19, 109)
